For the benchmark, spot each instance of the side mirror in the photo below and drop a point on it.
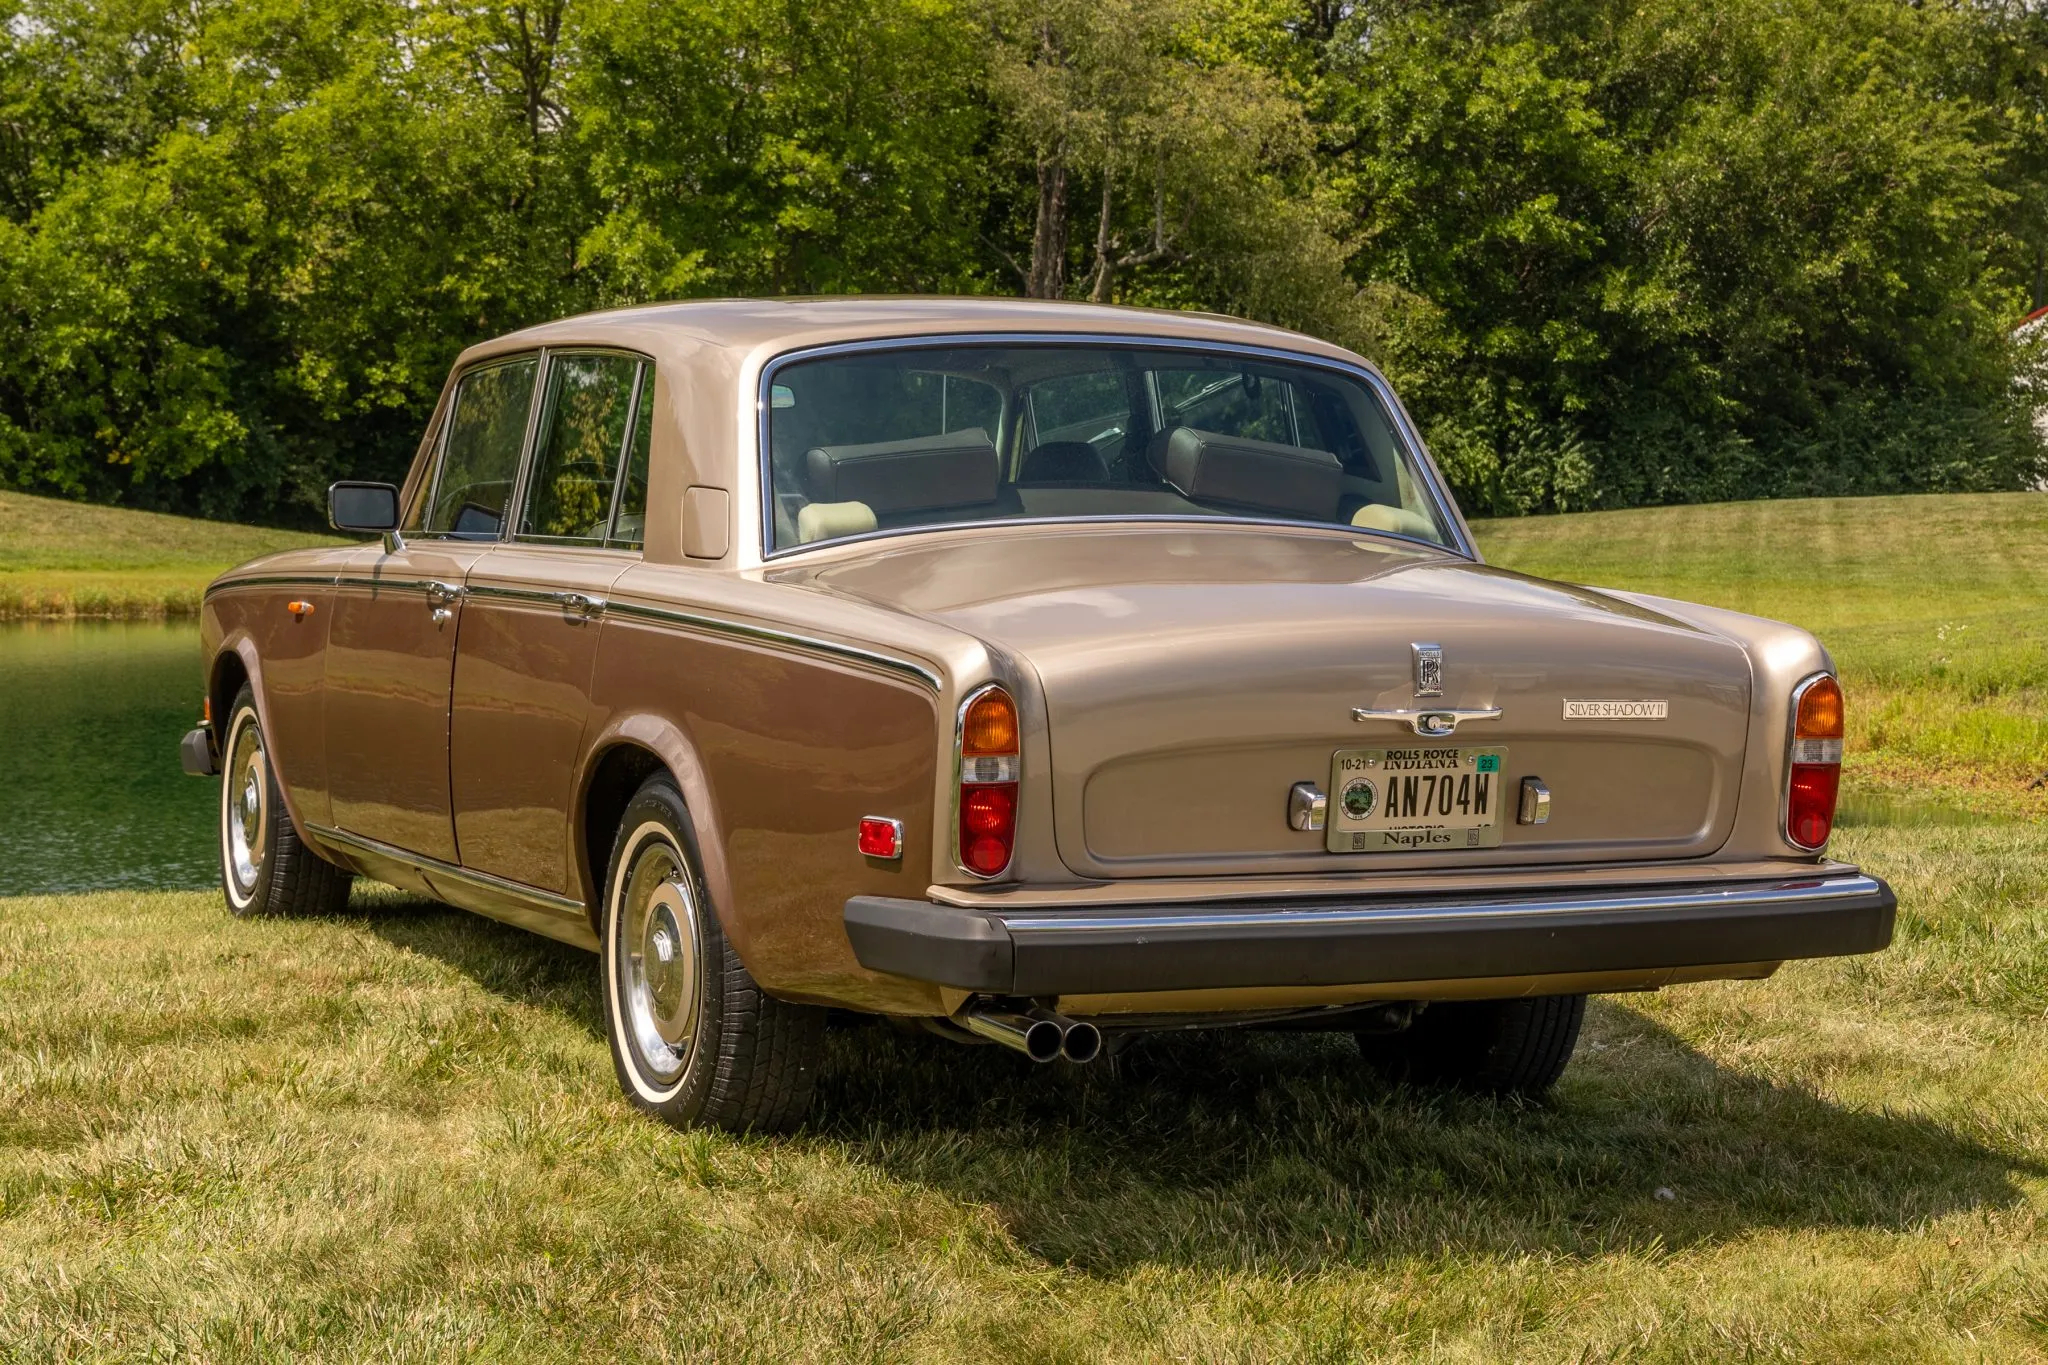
(362, 506)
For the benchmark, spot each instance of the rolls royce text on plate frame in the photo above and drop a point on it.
(1040, 673)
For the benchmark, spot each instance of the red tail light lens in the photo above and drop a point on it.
(1815, 778)
(988, 782)
(988, 827)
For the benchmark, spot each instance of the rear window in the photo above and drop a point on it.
(918, 437)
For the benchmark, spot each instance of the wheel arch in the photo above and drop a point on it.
(225, 677)
(234, 664)
(629, 751)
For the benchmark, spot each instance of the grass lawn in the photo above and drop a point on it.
(66, 559)
(1935, 608)
(396, 1135)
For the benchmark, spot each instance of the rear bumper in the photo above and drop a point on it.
(1325, 942)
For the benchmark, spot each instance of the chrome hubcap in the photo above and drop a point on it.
(245, 805)
(658, 961)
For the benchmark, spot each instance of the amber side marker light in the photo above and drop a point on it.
(1815, 778)
(988, 782)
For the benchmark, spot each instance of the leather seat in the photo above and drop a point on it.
(1399, 520)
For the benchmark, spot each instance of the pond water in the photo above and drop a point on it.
(91, 794)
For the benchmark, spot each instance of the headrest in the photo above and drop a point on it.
(956, 469)
(1261, 474)
(1377, 516)
(1064, 462)
(830, 520)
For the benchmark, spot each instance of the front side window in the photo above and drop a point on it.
(480, 456)
(927, 436)
(585, 420)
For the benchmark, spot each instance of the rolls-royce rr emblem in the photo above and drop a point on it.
(1429, 670)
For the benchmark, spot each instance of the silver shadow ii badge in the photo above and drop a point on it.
(1429, 669)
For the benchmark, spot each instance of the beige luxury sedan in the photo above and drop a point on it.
(1044, 674)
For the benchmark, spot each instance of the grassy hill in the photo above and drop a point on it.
(1935, 608)
(68, 559)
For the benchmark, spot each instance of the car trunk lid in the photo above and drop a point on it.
(1193, 675)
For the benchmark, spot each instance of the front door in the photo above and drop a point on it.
(531, 621)
(390, 656)
(391, 648)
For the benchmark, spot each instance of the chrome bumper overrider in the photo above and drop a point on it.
(1331, 942)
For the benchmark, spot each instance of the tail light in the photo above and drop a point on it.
(1816, 768)
(988, 782)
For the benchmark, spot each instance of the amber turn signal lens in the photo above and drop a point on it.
(1820, 711)
(989, 729)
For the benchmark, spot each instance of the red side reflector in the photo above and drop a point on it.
(881, 837)
(1810, 805)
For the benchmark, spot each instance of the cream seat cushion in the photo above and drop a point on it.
(1375, 516)
(830, 520)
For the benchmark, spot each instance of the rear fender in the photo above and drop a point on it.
(669, 743)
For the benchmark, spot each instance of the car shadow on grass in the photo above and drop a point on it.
(1280, 1151)
(511, 963)
(1232, 1149)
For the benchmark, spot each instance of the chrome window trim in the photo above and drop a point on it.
(1403, 430)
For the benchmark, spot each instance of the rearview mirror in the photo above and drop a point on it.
(362, 506)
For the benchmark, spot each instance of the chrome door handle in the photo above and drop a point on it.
(442, 597)
(581, 604)
(1432, 722)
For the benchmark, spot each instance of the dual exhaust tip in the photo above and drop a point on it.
(1040, 1034)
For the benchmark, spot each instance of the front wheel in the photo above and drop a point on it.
(265, 868)
(694, 1039)
(1500, 1047)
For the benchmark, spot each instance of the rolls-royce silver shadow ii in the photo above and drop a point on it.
(1039, 673)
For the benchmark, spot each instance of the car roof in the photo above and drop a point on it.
(680, 332)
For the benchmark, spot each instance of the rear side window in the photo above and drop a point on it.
(480, 459)
(628, 528)
(585, 422)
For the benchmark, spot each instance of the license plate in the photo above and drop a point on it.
(1415, 799)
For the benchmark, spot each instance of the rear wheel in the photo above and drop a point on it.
(694, 1039)
(1500, 1047)
(265, 868)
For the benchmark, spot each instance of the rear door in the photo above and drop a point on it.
(391, 648)
(531, 619)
